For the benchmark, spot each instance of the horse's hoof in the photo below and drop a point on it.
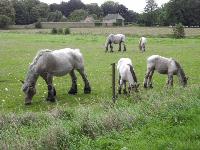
(28, 103)
(87, 90)
(150, 86)
(125, 92)
(119, 92)
(51, 99)
(72, 92)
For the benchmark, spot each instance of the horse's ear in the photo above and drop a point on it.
(21, 81)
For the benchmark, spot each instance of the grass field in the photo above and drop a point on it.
(161, 118)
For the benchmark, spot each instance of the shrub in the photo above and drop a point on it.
(66, 31)
(4, 21)
(98, 24)
(178, 31)
(60, 31)
(38, 25)
(54, 31)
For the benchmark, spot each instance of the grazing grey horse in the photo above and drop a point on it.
(126, 73)
(142, 44)
(164, 65)
(116, 39)
(47, 64)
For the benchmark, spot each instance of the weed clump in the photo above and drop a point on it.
(54, 31)
(179, 31)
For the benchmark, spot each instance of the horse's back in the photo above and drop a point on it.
(161, 64)
(60, 62)
(123, 62)
(143, 40)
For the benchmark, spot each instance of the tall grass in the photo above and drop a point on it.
(167, 119)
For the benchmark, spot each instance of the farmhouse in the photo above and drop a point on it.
(113, 18)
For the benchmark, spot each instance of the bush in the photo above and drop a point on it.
(60, 31)
(66, 31)
(98, 24)
(54, 31)
(4, 21)
(38, 25)
(179, 31)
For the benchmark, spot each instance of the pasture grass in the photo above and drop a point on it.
(159, 118)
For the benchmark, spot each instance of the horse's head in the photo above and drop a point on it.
(134, 87)
(184, 81)
(29, 91)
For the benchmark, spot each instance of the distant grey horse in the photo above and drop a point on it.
(164, 65)
(116, 39)
(49, 63)
(142, 44)
(126, 74)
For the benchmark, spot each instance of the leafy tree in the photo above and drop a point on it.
(132, 16)
(162, 16)
(55, 16)
(7, 11)
(94, 9)
(68, 7)
(184, 11)
(4, 21)
(53, 7)
(150, 15)
(29, 11)
(42, 9)
(151, 6)
(78, 15)
(109, 7)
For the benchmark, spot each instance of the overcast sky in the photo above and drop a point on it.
(135, 5)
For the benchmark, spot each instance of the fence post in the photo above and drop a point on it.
(113, 83)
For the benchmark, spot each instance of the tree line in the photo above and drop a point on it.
(22, 12)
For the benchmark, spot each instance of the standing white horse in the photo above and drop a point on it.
(142, 44)
(126, 73)
(164, 65)
(116, 39)
(49, 63)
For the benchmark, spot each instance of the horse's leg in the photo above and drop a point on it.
(111, 47)
(87, 88)
(51, 90)
(146, 77)
(125, 92)
(107, 47)
(124, 46)
(73, 89)
(170, 79)
(120, 85)
(150, 79)
(120, 46)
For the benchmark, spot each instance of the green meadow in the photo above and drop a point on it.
(158, 118)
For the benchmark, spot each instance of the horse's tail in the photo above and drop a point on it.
(133, 73)
(123, 38)
(78, 55)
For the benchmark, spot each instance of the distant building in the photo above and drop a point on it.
(114, 18)
(89, 19)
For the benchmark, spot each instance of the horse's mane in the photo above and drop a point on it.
(38, 55)
(180, 70)
(133, 73)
